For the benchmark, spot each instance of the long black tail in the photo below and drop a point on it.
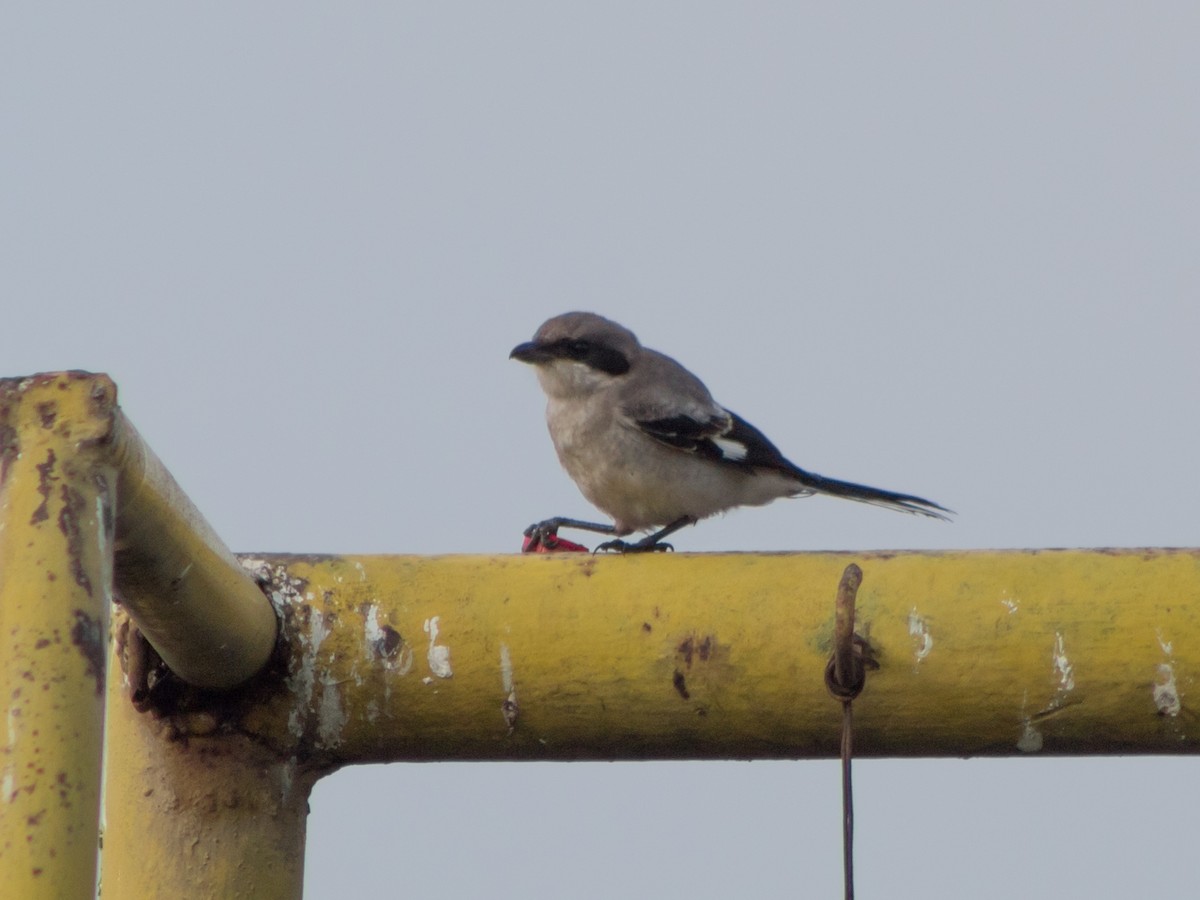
(760, 453)
(875, 496)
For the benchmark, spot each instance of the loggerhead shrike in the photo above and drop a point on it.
(646, 443)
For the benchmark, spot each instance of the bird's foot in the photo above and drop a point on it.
(646, 545)
(542, 537)
(652, 543)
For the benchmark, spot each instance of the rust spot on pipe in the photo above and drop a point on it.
(10, 445)
(45, 476)
(132, 650)
(680, 684)
(86, 636)
(509, 709)
(68, 523)
(388, 644)
(104, 397)
(47, 413)
(694, 647)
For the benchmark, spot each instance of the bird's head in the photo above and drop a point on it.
(578, 353)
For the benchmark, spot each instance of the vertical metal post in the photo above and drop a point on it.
(56, 527)
(193, 808)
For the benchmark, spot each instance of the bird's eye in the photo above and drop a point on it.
(578, 349)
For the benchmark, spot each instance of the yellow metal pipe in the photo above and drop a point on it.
(56, 524)
(191, 811)
(204, 615)
(666, 657)
(84, 500)
(722, 656)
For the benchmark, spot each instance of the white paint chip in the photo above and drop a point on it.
(1062, 666)
(1166, 694)
(439, 654)
(331, 715)
(1164, 690)
(509, 707)
(506, 669)
(918, 629)
(1167, 646)
(1030, 740)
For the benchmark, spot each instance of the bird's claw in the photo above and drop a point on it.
(542, 537)
(619, 546)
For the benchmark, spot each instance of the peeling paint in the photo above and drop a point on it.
(331, 716)
(1063, 666)
(285, 591)
(506, 669)
(1165, 692)
(439, 654)
(918, 630)
(302, 681)
(509, 709)
(1166, 645)
(260, 569)
(1031, 739)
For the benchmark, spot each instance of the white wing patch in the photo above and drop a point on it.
(734, 451)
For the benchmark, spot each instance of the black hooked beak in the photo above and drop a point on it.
(530, 352)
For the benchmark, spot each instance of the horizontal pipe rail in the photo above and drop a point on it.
(722, 656)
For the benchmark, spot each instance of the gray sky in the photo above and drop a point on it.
(941, 249)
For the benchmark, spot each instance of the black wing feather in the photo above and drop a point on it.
(732, 441)
(685, 433)
(735, 442)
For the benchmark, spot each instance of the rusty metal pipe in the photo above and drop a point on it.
(199, 609)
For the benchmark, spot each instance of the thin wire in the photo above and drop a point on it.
(847, 800)
(845, 677)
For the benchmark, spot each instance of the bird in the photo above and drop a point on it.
(646, 443)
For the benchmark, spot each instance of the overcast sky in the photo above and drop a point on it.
(934, 247)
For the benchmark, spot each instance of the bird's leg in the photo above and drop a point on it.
(545, 533)
(651, 543)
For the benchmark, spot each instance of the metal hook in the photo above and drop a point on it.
(845, 676)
